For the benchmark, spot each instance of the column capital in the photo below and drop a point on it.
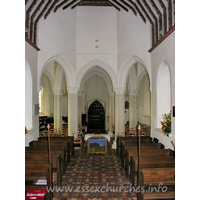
(120, 90)
(133, 92)
(72, 90)
(57, 91)
(111, 93)
(80, 93)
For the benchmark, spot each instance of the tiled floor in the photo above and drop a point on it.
(95, 177)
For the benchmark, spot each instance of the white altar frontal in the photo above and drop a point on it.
(87, 136)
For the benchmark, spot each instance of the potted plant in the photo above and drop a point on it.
(26, 130)
(166, 123)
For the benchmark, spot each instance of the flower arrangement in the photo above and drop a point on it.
(166, 123)
(26, 130)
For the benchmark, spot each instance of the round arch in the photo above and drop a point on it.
(66, 66)
(125, 68)
(100, 64)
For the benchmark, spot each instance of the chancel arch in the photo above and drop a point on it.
(97, 85)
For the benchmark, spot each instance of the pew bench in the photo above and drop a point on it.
(154, 177)
(122, 138)
(147, 162)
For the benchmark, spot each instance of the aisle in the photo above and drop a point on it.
(95, 177)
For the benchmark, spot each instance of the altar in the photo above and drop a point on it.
(87, 136)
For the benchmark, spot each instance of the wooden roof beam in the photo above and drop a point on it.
(151, 22)
(76, 4)
(120, 5)
(37, 20)
(27, 15)
(69, 4)
(117, 8)
(158, 12)
(32, 18)
(170, 14)
(155, 18)
(164, 16)
(50, 9)
(59, 5)
(138, 10)
(130, 7)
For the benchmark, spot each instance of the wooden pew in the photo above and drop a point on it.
(69, 139)
(31, 177)
(38, 153)
(134, 139)
(147, 162)
(65, 151)
(156, 176)
(37, 160)
(134, 145)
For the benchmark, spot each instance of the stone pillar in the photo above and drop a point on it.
(80, 108)
(131, 110)
(57, 109)
(113, 109)
(72, 110)
(111, 94)
(135, 119)
(119, 113)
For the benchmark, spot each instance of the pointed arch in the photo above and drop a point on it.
(125, 68)
(67, 67)
(101, 64)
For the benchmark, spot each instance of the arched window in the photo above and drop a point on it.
(163, 92)
(41, 99)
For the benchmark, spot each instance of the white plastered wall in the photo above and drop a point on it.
(165, 52)
(31, 62)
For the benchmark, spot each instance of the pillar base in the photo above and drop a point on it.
(110, 133)
(114, 145)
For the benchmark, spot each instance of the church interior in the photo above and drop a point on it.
(100, 97)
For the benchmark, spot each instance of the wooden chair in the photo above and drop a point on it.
(131, 133)
(53, 132)
(78, 141)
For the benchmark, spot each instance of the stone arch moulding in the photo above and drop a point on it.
(98, 63)
(66, 66)
(126, 66)
(107, 82)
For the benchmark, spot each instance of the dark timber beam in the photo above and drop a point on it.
(59, 5)
(74, 6)
(170, 14)
(32, 18)
(164, 16)
(159, 13)
(120, 5)
(130, 7)
(27, 16)
(69, 4)
(37, 20)
(117, 8)
(151, 22)
(138, 10)
(50, 9)
(154, 17)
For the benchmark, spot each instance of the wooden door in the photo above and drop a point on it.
(96, 118)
